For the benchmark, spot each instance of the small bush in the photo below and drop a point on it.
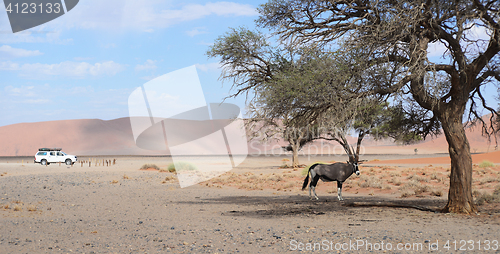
(418, 178)
(304, 171)
(370, 182)
(413, 186)
(488, 180)
(168, 178)
(395, 181)
(486, 164)
(148, 166)
(437, 193)
(407, 193)
(275, 178)
(181, 166)
(489, 198)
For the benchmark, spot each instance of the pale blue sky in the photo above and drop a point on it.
(86, 63)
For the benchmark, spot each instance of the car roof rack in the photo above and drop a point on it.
(49, 149)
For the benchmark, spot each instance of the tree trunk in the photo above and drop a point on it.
(295, 145)
(460, 198)
(295, 157)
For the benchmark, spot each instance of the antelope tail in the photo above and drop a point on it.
(306, 181)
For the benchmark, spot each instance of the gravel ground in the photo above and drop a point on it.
(124, 210)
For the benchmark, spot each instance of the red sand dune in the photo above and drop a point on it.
(80, 137)
(114, 137)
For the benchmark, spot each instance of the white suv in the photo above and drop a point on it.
(45, 156)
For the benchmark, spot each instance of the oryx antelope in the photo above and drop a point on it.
(328, 173)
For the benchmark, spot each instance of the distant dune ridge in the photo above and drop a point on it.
(115, 137)
(80, 137)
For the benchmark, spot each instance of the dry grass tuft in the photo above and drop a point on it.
(394, 174)
(437, 193)
(488, 198)
(150, 166)
(169, 178)
(114, 181)
(126, 177)
(395, 181)
(32, 208)
(486, 164)
(488, 180)
(17, 208)
(413, 187)
(418, 178)
(370, 182)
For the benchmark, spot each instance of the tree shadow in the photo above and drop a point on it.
(277, 206)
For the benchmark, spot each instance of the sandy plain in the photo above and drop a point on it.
(258, 207)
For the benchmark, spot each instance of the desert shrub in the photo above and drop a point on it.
(395, 181)
(413, 187)
(418, 178)
(407, 193)
(372, 182)
(32, 208)
(147, 166)
(171, 168)
(489, 198)
(488, 180)
(421, 189)
(437, 193)
(304, 171)
(169, 178)
(181, 166)
(486, 164)
(275, 178)
(394, 174)
(434, 176)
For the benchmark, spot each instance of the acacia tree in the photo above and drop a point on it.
(396, 35)
(303, 94)
(293, 88)
(262, 127)
(249, 62)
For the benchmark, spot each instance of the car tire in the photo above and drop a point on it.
(44, 162)
(68, 162)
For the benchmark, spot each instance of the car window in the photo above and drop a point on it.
(59, 154)
(41, 153)
(52, 153)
